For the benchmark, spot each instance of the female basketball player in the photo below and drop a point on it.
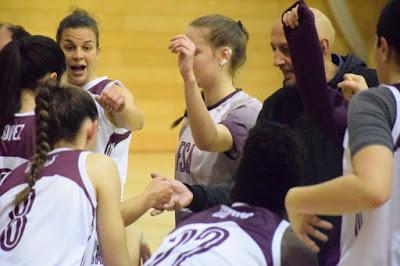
(214, 131)
(78, 36)
(24, 65)
(367, 195)
(53, 207)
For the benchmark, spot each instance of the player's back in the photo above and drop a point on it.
(56, 225)
(238, 235)
(17, 142)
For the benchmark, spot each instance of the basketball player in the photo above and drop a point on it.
(367, 194)
(24, 65)
(53, 208)
(214, 130)
(252, 230)
(78, 36)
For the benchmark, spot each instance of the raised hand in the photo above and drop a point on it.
(352, 84)
(290, 18)
(186, 48)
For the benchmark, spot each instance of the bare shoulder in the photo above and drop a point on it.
(101, 168)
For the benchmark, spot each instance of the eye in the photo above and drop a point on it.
(68, 48)
(197, 52)
(87, 48)
(285, 50)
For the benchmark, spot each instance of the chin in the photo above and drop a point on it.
(289, 82)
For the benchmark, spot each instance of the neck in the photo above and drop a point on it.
(330, 68)
(220, 90)
(27, 101)
(78, 143)
(393, 78)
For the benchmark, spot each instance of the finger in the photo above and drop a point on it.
(178, 36)
(316, 233)
(183, 51)
(284, 19)
(296, 14)
(309, 243)
(318, 222)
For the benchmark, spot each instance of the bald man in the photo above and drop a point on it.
(9, 32)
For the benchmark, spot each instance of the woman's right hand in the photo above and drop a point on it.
(186, 48)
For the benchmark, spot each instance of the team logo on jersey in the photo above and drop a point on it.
(184, 157)
(225, 211)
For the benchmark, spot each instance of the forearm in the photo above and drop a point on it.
(203, 128)
(130, 118)
(132, 209)
(342, 195)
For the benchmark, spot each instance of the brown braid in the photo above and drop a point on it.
(42, 146)
(179, 120)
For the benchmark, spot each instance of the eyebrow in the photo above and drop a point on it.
(85, 42)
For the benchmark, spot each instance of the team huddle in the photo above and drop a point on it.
(309, 177)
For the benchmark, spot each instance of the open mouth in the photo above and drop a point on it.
(78, 68)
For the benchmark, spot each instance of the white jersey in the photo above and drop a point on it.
(373, 237)
(222, 235)
(238, 112)
(111, 141)
(56, 225)
(17, 142)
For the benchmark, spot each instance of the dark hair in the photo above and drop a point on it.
(23, 63)
(387, 26)
(78, 19)
(270, 166)
(224, 31)
(60, 112)
(17, 31)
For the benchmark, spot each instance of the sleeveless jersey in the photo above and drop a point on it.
(222, 235)
(111, 141)
(372, 237)
(56, 224)
(238, 112)
(17, 142)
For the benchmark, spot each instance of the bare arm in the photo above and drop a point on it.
(206, 134)
(104, 175)
(368, 187)
(157, 195)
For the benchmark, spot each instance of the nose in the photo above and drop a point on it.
(278, 58)
(78, 53)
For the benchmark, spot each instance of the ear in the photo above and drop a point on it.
(384, 49)
(325, 46)
(53, 76)
(224, 55)
(91, 133)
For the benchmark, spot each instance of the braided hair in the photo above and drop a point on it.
(63, 110)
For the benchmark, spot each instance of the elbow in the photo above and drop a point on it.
(376, 197)
(204, 145)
